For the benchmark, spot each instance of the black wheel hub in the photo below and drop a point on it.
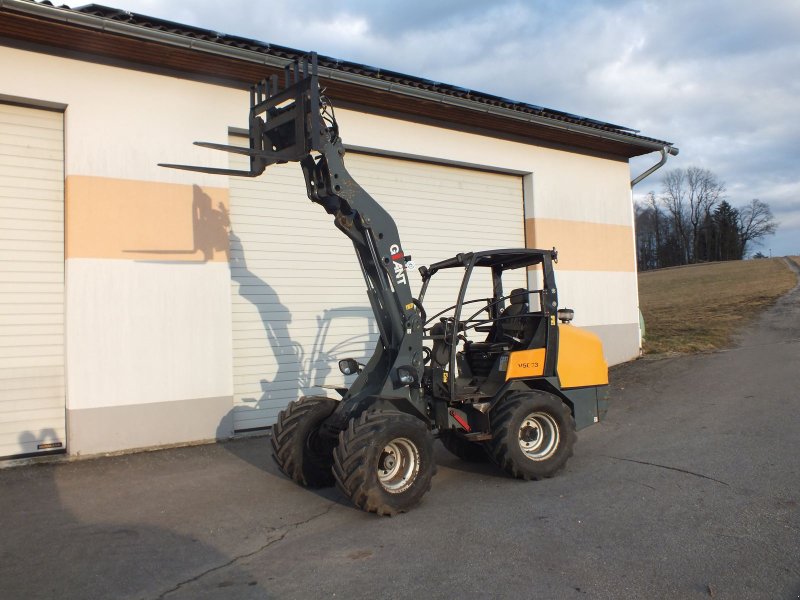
(387, 461)
(529, 435)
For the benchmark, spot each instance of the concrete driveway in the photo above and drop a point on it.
(689, 489)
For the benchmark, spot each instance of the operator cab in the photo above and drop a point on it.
(471, 341)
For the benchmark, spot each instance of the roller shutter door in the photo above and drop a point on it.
(299, 301)
(32, 397)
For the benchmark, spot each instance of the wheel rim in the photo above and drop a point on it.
(538, 436)
(398, 465)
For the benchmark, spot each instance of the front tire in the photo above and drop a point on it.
(296, 445)
(533, 434)
(384, 461)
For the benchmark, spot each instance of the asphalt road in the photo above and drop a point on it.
(689, 489)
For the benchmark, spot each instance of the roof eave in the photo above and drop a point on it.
(626, 144)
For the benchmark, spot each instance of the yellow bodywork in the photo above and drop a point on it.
(525, 363)
(580, 358)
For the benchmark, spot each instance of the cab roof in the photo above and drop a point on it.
(503, 259)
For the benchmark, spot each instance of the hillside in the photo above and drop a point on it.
(698, 308)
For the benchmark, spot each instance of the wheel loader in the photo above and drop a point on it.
(501, 377)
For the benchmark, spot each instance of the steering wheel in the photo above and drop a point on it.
(450, 324)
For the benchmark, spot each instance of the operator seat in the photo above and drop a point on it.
(510, 329)
(508, 322)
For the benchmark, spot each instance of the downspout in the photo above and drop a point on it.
(665, 152)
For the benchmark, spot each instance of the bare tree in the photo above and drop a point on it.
(648, 240)
(690, 196)
(696, 223)
(674, 200)
(755, 222)
(652, 204)
(704, 190)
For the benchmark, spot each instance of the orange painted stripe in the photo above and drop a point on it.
(145, 220)
(584, 246)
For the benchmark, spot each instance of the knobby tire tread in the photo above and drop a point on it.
(500, 446)
(352, 469)
(287, 451)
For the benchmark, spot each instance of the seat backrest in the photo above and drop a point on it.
(507, 322)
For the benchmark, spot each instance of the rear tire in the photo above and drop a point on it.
(533, 434)
(296, 445)
(467, 451)
(384, 461)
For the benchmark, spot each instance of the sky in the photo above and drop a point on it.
(720, 79)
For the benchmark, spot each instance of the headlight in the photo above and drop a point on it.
(565, 315)
(407, 375)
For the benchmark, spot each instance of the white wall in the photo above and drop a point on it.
(142, 331)
(160, 333)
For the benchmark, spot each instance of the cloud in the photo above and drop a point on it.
(718, 78)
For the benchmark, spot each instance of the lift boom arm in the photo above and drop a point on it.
(295, 122)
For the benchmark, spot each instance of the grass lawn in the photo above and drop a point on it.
(699, 307)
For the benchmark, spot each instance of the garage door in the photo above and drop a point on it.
(32, 414)
(299, 301)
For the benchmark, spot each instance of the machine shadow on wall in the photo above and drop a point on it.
(209, 225)
(209, 230)
(299, 370)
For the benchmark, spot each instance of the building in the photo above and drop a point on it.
(144, 306)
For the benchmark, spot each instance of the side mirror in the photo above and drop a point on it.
(349, 366)
(565, 315)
